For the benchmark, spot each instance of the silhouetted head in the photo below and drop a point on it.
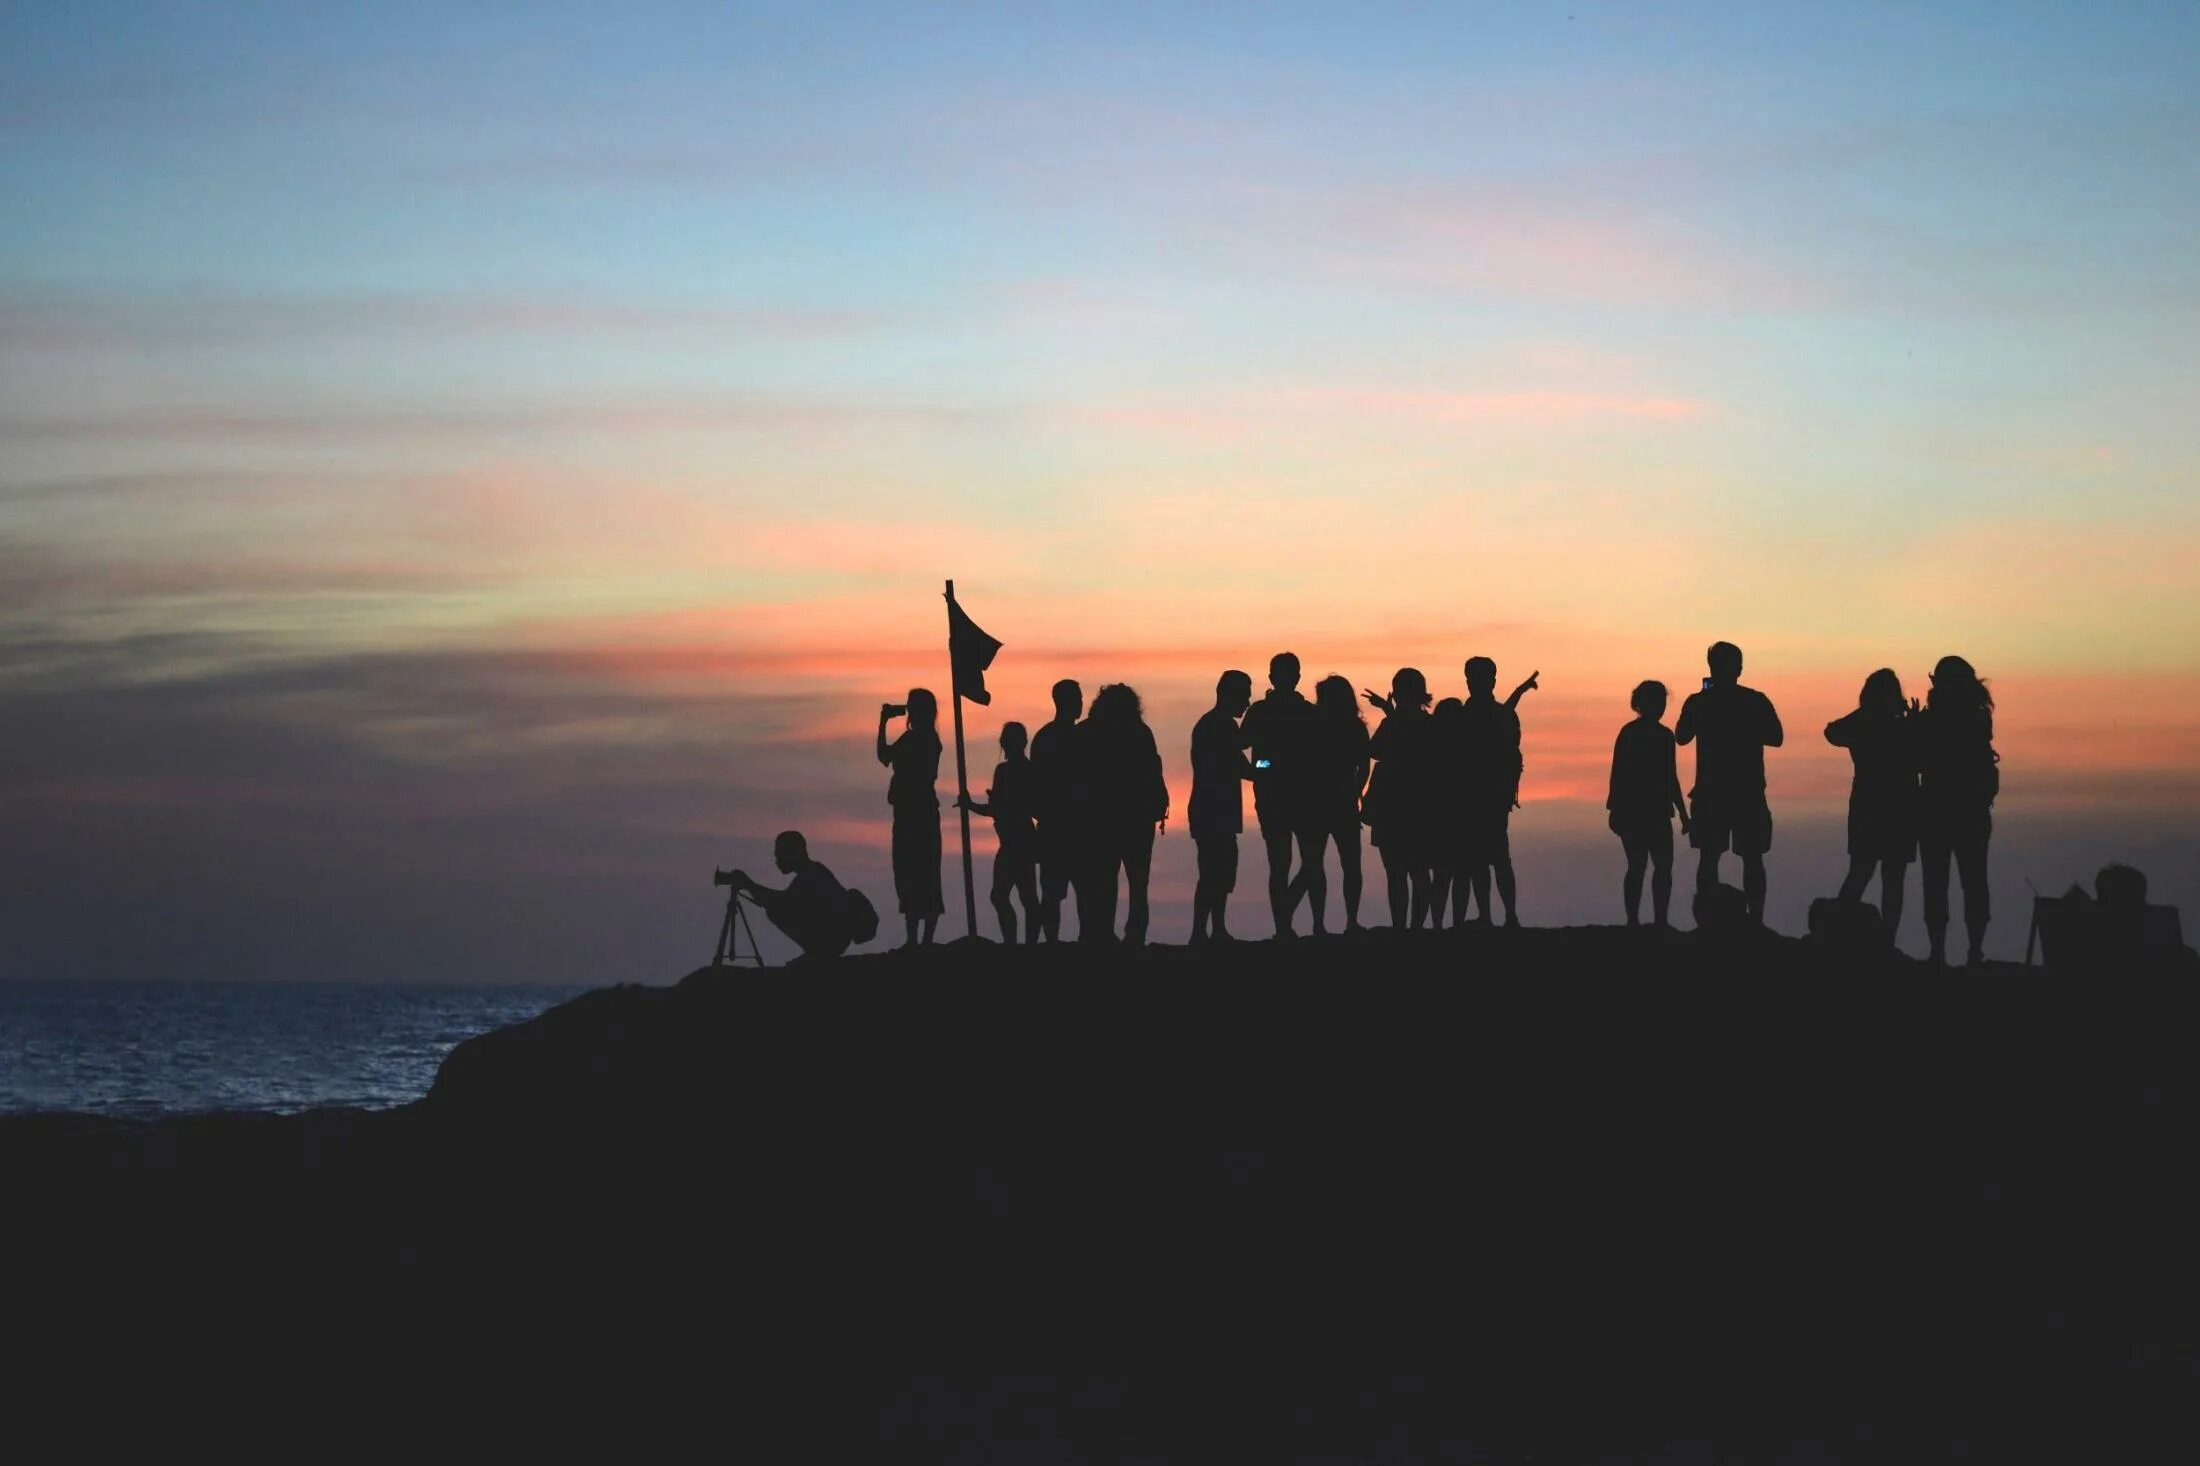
(2122, 888)
(1648, 699)
(1447, 706)
(1234, 692)
(1283, 671)
(1069, 701)
(1481, 676)
(1957, 687)
(1013, 739)
(1408, 688)
(1334, 695)
(790, 852)
(1725, 661)
(1117, 704)
(924, 708)
(1882, 694)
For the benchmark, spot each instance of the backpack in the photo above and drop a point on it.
(862, 917)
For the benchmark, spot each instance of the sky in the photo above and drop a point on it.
(467, 472)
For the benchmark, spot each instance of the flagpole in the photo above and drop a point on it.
(962, 773)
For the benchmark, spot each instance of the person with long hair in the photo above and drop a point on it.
(1882, 746)
(1127, 799)
(912, 791)
(1396, 807)
(1644, 795)
(1960, 777)
(1336, 776)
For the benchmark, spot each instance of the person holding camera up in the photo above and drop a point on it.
(1731, 726)
(814, 911)
(915, 760)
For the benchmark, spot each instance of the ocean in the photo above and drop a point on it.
(160, 1048)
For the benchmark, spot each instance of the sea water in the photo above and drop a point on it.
(154, 1048)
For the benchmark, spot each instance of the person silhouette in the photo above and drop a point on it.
(1217, 813)
(812, 909)
(1053, 769)
(915, 760)
(1009, 803)
(1336, 776)
(1883, 794)
(1490, 765)
(1731, 726)
(1447, 830)
(1960, 777)
(1126, 797)
(1277, 729)
(1644, 796)
(1397, 806)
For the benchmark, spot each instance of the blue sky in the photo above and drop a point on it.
(575, 343)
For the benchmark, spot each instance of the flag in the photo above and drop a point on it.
(972, 651)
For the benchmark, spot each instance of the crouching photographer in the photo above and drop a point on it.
(814, 910)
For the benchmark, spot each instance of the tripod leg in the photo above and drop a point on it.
(726, 933)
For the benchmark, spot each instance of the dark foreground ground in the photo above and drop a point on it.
(1547, 1195)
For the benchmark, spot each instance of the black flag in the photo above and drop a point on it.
(972, 651)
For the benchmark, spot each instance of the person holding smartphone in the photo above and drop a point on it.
(913, 792)
(1731, 726)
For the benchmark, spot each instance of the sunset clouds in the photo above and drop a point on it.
(452, 490)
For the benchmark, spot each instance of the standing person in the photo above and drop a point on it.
(1337, 775)
(1277, 729)
(1735, 725)
(915, 760)
(1447, 831)
(1956, 799)
(1645, 795)
(1126, 799)
(1015, 858)
(1053, 770)
(1397, 806)
(1490, 767)
(1219, 772)
(1882, 744)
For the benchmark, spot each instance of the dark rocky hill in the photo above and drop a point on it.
(1557, 1194)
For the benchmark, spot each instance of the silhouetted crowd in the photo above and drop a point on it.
(1077, 804)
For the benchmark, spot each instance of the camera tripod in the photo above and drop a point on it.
(731, 931)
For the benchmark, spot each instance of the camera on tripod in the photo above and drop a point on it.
(735, 928)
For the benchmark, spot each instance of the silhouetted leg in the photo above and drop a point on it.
(1893, 876)
(1439, 892)
(1753, 887)
(1422, 882)
(1137, 872)
(1053, 885)
(1101, 879)
(909, 926)
(1970, 853)
(1479, 878)
(1630, 888)
(1313, 877)
(1395, 882)
(1506, 890)
(1348, 864)
(1661, 879)
(1004, 881)
(931, 925)
(1933, 876)
(1859, 876)
(1707, 871)
(1279, 877)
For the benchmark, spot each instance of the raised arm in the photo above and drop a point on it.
(885, 749)
(1523, 690)
(1684, 730)
(1841, 730)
